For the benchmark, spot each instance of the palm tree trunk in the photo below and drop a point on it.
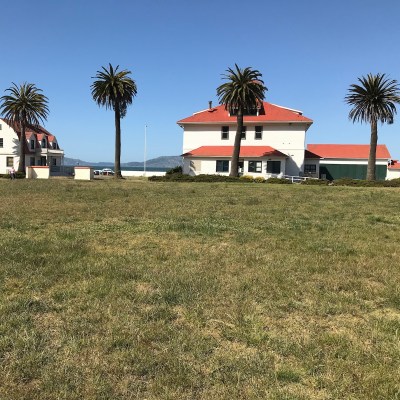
(22, 141)
(372, 151)
(117, 161)
(236, 147)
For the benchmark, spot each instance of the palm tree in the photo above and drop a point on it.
(115, 90)
(374, 100)
(242, 93)
(25, 106)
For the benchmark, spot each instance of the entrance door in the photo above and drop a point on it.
(43, 161)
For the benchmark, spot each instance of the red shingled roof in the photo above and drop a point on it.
(268, 113)
(226, 151)
(358, 151)
(309, 154)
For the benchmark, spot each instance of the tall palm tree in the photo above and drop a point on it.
(243, 92)
(25, 106)
(373, 101)
(115, 90)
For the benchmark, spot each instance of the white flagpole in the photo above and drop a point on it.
(145, 148)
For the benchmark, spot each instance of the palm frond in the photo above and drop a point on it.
(244, 88)
(373, 99)
(113, 87)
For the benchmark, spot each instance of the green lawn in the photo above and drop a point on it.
(141, 290)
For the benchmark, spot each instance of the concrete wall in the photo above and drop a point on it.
(38, 172)
(83, 173)
(392, 174)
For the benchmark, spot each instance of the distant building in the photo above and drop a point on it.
(41, 147)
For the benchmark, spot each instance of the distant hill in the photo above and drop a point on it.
(159, 162)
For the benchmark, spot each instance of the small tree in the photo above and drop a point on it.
(114, 89)
(243, 92)
(373, 101)
(25, 106)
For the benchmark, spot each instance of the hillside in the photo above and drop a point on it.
(159, 162)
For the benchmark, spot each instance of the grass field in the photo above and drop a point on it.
(140, 290)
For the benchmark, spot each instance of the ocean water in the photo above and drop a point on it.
(148, 169)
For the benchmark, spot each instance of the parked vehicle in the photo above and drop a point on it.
(107, 171)
(97, 172)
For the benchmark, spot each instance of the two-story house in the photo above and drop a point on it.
(273, 142)
(41, 147)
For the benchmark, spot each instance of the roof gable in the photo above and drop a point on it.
(268, 113)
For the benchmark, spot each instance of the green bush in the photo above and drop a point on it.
(247, 178)
(315, 182)
(357, 182)
(188, 178)
(279, 181)
(259, 179)
(175, 170)
(18, 175)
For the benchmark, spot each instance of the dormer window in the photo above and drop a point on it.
(246, 111)
(43, 143)
(32, 144)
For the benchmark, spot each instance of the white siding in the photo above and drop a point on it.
(289, 138)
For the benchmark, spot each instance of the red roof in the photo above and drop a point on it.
(268, 113)
(358, 151)
(309, 154)
(226, 151)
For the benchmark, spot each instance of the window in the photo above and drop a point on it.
(244, 129)
(225, 133)
(222, 166)
(10, 161)
(43, 143)
(0, 127)
(54, 161)
(258, 134)
(32, 145)
(310, 168)
(32, 161)
(1, 142)
(255, 166)
(274, 167)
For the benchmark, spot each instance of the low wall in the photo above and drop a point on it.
(38, 172)
(83, 173)
(141, 173)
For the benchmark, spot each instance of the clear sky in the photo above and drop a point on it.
(308, 51)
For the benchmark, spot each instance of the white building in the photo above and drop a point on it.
(273, 142)
(41, 148)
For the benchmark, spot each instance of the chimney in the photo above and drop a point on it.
(210, 104)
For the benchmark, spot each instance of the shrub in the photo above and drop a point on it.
(259, 179)
(279, 181)
(188, 178)
(357, 182)
(175, 170)
(247, 178)
(315, 182)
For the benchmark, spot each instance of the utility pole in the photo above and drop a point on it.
(145, 149)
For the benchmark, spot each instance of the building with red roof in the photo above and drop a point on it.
(350, 160)
(273, 141)
(41, 147)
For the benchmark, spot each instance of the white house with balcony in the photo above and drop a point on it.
(273, 142)
(41, 147)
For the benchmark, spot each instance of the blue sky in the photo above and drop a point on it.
(309, 52)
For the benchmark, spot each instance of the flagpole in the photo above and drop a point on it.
(145, 148)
